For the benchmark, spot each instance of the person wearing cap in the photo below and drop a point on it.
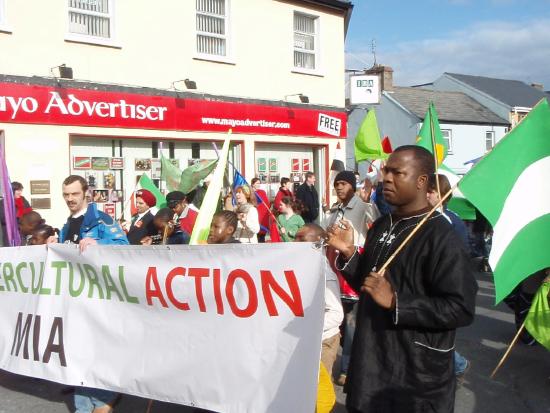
(186, 213)
(142, 223)
(360, 215)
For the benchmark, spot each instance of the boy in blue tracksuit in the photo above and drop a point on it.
(88, 226)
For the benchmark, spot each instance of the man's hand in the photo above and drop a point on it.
(366, 190)
(85, 242)
(146, 240)
(52, 239)
(340, 237)
(380, 290)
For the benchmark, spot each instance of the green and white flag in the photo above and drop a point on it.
(510, 187)
(458, 203)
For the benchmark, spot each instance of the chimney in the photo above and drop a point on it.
(386, 76)
(538, 86)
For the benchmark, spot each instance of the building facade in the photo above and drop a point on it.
(170, 78)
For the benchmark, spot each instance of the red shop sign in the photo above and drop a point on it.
(38, 104)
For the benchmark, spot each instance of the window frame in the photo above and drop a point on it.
(448, 139)
(228, 58)
(317, 45)
(4, 28)
(94, 40)
(492, 134)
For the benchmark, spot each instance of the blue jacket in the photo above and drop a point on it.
(99, 226)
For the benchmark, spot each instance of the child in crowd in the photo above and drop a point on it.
(223, 227)
(41, 233)
(169, 233)
(27, 224)
(290, 220)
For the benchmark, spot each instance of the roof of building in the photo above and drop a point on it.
(511, 92)
(341, 4)
(452, 107)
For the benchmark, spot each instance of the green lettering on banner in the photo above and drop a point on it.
(72, 291)
(2, 288)
(43, 291)
(35, 287)
(8, 276)
(109, 283)
(58, 265)
(18, 273)
(93, 279)
(129, 298)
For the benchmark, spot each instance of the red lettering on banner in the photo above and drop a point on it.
(292, 300)
(217, 291)
(151, 293)
(252, 306)
(199, 273)
(170, 293)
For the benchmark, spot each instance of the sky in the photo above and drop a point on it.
(422, 39)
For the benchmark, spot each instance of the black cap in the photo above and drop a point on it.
(175, 196)
(347, 176)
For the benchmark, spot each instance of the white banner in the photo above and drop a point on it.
(230, 328)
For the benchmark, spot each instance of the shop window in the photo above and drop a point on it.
(489, 140)
(448, 138)
(212, 27)
(306, 41)
(91, 20)
(196, 150)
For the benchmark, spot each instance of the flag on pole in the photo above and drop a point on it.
(193, 175)
(8, 204)
(170, 174)
(367, 141)
(146, 183)
(458, 203)
(509, 186)
(210, 201)
(537, 321)
(424, 138)
(386, 145)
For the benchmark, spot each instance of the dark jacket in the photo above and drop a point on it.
(99, 226)
(309, 197)
(143, 228)
(402, 360)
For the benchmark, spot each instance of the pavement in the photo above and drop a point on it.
(522, 385)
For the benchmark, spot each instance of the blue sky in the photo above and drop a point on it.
(421, 39)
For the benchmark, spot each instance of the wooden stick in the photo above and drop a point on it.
(434, 147)
(503, 359)
(149, 405)
(414, 231)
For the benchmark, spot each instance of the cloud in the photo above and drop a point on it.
(519, 51)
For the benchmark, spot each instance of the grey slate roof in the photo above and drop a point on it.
(510, 92)
(452, 107)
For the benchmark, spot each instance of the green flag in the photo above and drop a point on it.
(424, 138)
(146, 183)
(170, 174)
(193, 175)
(458, 203)
(211, 198)
(367, 141)
(537, 321)
(509, 186)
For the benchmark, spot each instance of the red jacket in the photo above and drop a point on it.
(279, 197)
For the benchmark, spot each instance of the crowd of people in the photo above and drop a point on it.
(396, 325)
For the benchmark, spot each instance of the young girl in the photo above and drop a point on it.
(290, 219)
(41, 233)
(223, 227)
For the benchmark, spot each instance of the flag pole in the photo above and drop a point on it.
(415, 230)
(503, 359)
(434, 147)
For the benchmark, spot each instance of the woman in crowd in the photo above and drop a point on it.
(249, 224)
(290, 220)
(284, 191)
(22, 206)
(263, 209)
(142, 223)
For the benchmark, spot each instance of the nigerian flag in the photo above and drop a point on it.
(537, 321)
(509, 186)
(458, 203)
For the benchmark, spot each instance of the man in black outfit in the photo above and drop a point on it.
(309, 197)
(402, 353)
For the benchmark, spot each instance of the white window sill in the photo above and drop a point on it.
(215, 59)
(308, 72)
(4, 28)
(95, 41)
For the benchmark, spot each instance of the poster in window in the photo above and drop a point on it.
(82, 162)
(156, 168)
(305, 165)
(142, 164)
(273, 165)
(295, 165)
(262, 165)
(109, 180)
(110, 209)
(100, 195)
(116, 163)
(262, 178)
(100, 163)
(116, 195)
(274, 179)
(91, 178)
